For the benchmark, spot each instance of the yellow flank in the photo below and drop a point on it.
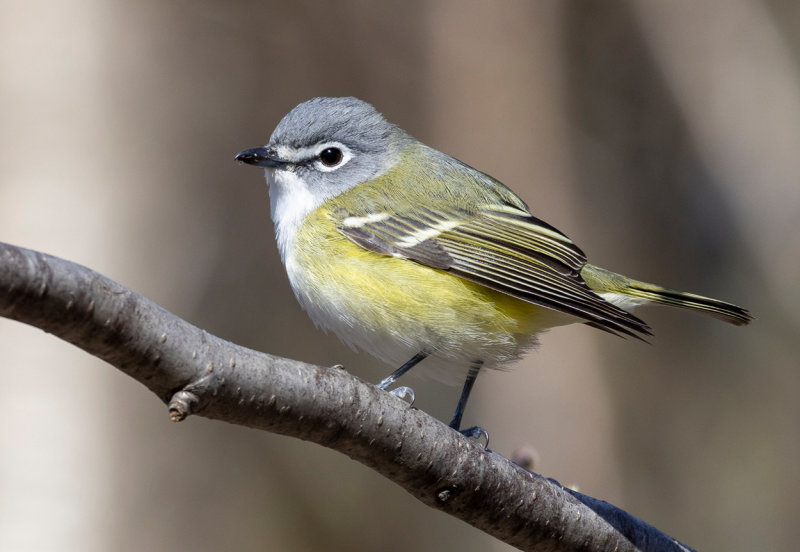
(360, 294)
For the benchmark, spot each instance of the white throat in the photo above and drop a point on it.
(290, 202)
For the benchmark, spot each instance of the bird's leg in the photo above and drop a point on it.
(402, 392)
(465, 391)
(391, 378)
(474, 431)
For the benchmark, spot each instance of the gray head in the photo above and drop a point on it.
(322, 148)
(349, 121)
(323, 136)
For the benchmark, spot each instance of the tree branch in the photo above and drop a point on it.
(197, 373)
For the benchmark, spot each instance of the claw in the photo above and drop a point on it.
(405, 393)
(475, 432)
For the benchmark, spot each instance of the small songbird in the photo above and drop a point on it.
(409, 254)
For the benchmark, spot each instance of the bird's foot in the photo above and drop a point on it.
(405, 393)
(477, 433)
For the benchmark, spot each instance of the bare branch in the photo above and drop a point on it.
(197, 373)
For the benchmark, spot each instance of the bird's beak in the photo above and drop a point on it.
(260, 157)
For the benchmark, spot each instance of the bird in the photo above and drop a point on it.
(412, 255)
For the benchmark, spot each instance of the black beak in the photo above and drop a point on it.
(260, 157)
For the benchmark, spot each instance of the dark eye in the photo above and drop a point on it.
(331, 157)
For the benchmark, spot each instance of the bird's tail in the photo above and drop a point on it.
(628, 294)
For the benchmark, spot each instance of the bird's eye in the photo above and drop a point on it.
(331, 157)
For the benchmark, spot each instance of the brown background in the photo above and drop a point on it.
(664, 137)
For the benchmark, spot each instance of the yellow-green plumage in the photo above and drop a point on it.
(404, 251)
(390, 306)
(384, 281)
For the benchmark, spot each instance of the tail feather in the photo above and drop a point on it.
(624, 292)
(718, 309)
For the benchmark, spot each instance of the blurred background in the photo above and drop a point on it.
(663, 137)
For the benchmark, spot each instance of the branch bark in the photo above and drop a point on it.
(194, 372)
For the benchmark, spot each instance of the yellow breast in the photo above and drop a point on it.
(395, 308)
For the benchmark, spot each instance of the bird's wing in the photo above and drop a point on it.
(499, 246)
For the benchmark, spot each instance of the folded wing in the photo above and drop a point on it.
(501, 247)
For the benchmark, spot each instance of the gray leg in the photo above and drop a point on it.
(391, 378)
(472, 375)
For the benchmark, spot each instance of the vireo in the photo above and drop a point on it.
(409, 254)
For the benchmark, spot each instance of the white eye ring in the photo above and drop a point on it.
(332, 156)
